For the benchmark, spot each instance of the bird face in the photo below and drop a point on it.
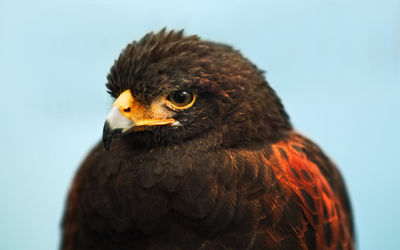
(169, 88)
(128, 114)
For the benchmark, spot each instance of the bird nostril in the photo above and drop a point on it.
(127, 110)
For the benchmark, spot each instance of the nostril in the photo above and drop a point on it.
(127, 110)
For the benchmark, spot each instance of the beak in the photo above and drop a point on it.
(115, 124)
(127, 114)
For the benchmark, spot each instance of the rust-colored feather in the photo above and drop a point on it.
(325, 221)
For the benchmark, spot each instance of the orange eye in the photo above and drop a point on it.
(181, 99)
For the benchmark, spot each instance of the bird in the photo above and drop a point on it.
(198, 152)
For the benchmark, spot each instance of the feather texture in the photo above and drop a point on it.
(270, 198)
(233, 175)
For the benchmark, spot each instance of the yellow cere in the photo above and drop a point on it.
(138, 114)
(124, 102)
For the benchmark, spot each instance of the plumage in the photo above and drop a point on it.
(227, 171)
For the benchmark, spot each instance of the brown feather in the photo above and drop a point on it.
(234, 175)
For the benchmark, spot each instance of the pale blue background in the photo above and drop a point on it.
(335, 64)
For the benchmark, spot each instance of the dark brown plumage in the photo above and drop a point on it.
(226, 171)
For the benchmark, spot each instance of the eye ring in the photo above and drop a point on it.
(181, 99)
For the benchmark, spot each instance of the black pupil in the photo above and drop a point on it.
(181, 97)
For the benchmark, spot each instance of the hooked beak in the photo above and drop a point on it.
(114, 125)
(127, 114)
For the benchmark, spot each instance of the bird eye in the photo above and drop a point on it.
(181, 99)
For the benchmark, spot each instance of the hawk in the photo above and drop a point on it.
(199, 153)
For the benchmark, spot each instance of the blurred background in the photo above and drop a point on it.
(334, 63)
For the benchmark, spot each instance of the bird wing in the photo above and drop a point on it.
(308, 205)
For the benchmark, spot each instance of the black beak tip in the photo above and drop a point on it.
(106, 136)
(109, 134)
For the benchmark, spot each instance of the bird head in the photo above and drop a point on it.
(169, 88)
